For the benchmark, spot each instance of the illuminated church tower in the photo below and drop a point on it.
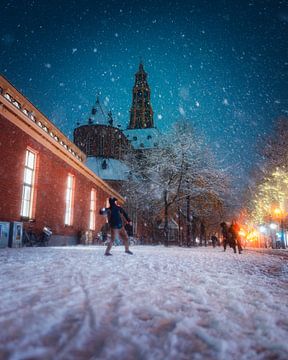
(141, 113)
(141, 131)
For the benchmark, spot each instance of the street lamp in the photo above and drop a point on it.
(273, 226)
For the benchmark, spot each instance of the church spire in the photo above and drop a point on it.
(141, 113)
(99, 116)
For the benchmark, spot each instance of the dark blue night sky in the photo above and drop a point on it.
(221, 64)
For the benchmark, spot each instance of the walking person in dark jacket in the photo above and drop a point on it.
(114, 214)
(225, 234)
(214, 240)
(235, 238)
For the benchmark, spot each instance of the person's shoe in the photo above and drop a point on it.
(129, 252)
(108, 254)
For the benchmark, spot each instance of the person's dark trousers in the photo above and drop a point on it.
(240, 249)
(115, 233)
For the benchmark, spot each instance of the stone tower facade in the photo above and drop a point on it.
(141, 113)
(99, 137)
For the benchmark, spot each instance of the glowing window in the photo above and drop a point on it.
(69, 200)
(92, 212)
(28, 184)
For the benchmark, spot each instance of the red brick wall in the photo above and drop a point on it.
(50, 184)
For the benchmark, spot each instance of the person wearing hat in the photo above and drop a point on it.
(114, 214)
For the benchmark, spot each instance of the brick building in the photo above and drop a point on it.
(43, 177)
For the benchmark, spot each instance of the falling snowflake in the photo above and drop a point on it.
(159, 116)
(74, 50)
(197, 103)
(182, 111)
(47, 65)
(106, 101)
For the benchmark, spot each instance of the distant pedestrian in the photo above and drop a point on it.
(129, 229)
(234, 237)
(104, 232)
(225, 234)
(214, 240)
(114, 214)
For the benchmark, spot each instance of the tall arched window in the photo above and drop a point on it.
(92, 211)
(69, 200)
(28, 192)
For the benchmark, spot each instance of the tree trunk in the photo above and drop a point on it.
(188, 241)
(202, 234)
(194, 228)
(166, 227)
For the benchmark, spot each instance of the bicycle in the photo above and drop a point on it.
(118, 242)
(30, 238)
(132, 241)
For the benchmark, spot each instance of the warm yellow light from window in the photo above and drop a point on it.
(69, 200)
(92, 222)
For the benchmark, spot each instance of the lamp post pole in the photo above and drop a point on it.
(282, 234)
(279, 213)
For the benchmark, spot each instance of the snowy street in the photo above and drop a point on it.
(161, 303)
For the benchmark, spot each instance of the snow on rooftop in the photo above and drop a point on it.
(107, 168)
(143, 138)
(158, 304)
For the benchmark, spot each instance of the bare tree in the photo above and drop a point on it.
(182, 168)
(275, 151)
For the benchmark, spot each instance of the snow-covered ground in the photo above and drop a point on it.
(160, 303)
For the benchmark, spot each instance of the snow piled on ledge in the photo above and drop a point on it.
(114, 169)
(160, 303)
